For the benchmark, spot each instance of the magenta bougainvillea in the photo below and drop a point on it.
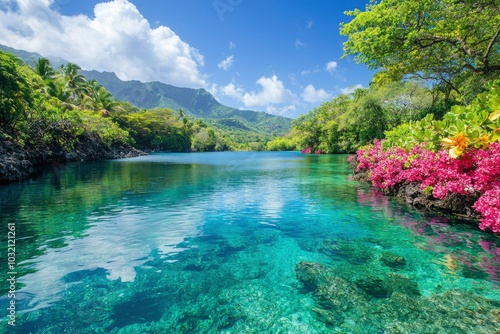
(475, 173)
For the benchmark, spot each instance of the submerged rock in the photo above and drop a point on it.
(393, 304)
(392, 260)
(352, 252)
(310, 273)
(374, 287)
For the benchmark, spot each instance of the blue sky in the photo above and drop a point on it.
(278, 56)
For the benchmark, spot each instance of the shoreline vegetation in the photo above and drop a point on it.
(52, 116)
(427, 128)
(452, 164)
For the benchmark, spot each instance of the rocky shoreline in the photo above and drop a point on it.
(411, 194)
(18, 163)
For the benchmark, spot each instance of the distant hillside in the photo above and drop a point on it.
(195, 102)
(30, 57)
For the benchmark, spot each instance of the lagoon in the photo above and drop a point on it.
(238, 242)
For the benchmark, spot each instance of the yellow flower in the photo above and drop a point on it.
(484, 141)
(457, 145)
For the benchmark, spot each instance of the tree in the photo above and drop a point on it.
(446, 41)
(74, 82)
(44, 68)
(99, 99)
(15, 92)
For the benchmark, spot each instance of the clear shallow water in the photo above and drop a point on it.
(231, 243)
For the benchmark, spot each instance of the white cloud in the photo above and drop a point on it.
(331, 66)
(233, 91)
(309, 24)
(118, 39)
(313, 95)
(273, 92)
(273, 96)
(226, 63)
(299, 44)
(232, 45)
(287, 110)
(351, 89)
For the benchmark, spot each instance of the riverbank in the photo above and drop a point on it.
(411, 194)
(19, 163)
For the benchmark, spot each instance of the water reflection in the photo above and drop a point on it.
(464, 249)
(210, 243)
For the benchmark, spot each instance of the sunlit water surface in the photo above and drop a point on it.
(218, 243)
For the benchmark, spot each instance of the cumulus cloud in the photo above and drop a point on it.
(313, 95)
(233, 91)
(273, 92)
(351, 89)
(118, 39)
(232, 45)
(286, 110)
(273, 96)
(226, 63)
(331, 66)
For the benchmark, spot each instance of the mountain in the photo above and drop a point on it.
(195, 102)
(30, 57)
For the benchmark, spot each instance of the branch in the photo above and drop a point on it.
(490, 46)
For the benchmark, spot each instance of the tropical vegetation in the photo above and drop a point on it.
(42, 108)
(431, 114)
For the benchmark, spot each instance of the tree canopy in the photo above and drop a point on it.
(450, 42)
(54, 110)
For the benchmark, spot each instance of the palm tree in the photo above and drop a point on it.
(57, 89)
(44, 68)
(75, 83)
(99, 99)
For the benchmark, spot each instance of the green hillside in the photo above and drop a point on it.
(195, 102)
(241, 126)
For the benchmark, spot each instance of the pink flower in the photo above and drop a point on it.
(476, 172)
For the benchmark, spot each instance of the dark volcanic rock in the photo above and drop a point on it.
(454, 203)
(410, 193)
(18, 163)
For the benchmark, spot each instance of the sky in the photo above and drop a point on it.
(278, 56)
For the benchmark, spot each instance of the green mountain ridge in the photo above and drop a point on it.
(195, 102)
(241, 125)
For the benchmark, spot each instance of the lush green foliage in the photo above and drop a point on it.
(245, 128)
(56, 109)
(458, 155)
(352, 120)
(286, 143)
(472, 121)
(451, 42)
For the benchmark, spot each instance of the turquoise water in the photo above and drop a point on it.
(238, 242)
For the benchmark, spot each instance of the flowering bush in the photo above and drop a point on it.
(458, 155)
(475, 173)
